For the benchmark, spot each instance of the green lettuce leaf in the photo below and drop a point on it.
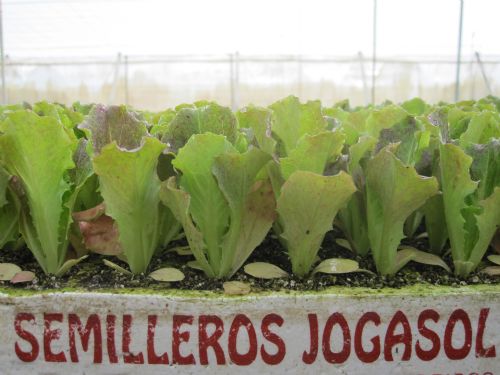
(307, 206)
(472, 217)
(415, 106)
(259, 120)
(226, 211)
(352, 218)
(485, 167)
(435, 223)
(208, 207)
(384, 118)
(351, 123)
(251, 204)
(292, 120)
(69, 118)
(393, 191)
(9, 211)
(207, 117)
(482, 127)
(39, 152)
(297, 178)
(130, 188)
(179, 202)
(313, 153)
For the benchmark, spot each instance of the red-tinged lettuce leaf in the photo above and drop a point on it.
(101, 236)
(23, 277)
(126, 160)
(105, 125)
(90, 214)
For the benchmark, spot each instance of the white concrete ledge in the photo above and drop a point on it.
(409, 331)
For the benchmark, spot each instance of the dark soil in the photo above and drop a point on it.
(92, 274)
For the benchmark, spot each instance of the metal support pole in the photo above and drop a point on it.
(363, 77)
(299, 76)
(2, 57)
(459, 51)
(112, 93)
(125, 78)
(419, 80)
(231, 80)
(483, 73)
(234, 78)
(374, 49)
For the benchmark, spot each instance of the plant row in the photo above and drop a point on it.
(126, 183)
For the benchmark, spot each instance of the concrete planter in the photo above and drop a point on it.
(417, 330)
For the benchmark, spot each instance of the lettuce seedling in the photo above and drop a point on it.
(469, 129)
(393, 192)
(352, 219)
(307, 201)
(199, 118)
(362, 131)
(9, 210)
(472, 207)
(225, 206)
(307, 205)
(125, 158)
(39, 152)
(69, 118)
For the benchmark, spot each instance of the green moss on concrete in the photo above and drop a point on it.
(353, 292)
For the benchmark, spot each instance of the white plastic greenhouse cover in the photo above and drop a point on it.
(154, 54)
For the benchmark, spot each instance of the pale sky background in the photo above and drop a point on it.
(102, 28)
(67, 50)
